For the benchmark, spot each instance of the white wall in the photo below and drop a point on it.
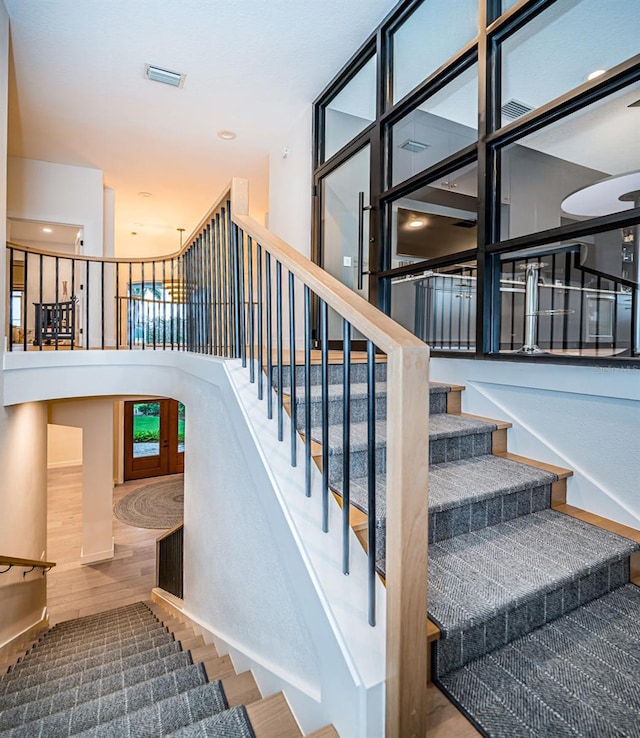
(58, 193)
(271, 592)
(23, 439)
(290, 185)
(64, 446)
(583, 418)
(94, 420)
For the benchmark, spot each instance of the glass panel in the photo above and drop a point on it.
(438, 306)
(440, 126)
(431, 35)
(584, 166)
(580, 296)
(181, 414)
(559, 49)
(351, 110)
(506, 4)
(436, 219)
(341, 216)
(146, 429)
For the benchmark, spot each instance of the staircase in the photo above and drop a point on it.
(534, 622)
(135, 671)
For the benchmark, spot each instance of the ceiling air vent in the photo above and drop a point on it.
(515, 109)
(415, 147)
(175, 79)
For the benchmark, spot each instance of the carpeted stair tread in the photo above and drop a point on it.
(126, 661)
(335, 373)
(93, 656)
(101, 701)
(576, 676)
(449, 483)
(475, 576)
(233, 723)
(440, 426)
(164, 717)
(137, 672)
(115, 614)
(26, 668)
(43, 647)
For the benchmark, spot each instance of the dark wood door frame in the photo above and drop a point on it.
(169, 460)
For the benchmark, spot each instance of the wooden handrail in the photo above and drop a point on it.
(407, 473)
(15, 561)
(167, 533)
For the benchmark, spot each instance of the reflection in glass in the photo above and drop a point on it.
(181, 414)
(432, 34)
(146, 429)
(506, 4)
(561, 47)
(436, 219)
(438, 306)
(585, 165)
(584, 295)
(439, 127)
(351, 110)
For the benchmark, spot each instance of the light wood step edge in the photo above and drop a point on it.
(272, 718)
(241, 689)
(611, 526)
(327, 732)
(558, 488)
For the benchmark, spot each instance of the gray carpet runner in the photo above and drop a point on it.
(540, 626)
(117, 674)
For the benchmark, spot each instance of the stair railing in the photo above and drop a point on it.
(169, 560)
(28, 564)
(236, 290)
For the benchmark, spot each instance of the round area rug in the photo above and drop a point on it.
(156, 505)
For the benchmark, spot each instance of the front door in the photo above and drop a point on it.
(153, 438)
(344, 228)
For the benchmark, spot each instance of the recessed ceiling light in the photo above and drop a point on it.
(594, 75)
(156, 74)
(145, 194)
(417, 223)
(47, 230)
(226, 135)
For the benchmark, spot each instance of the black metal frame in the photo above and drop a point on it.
(494, 28)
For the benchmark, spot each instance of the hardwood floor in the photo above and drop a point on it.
(74, 590)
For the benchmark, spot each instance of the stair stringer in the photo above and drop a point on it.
(347, 688)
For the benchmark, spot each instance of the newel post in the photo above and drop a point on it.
(407, 541)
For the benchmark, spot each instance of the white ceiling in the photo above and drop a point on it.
(78, 94)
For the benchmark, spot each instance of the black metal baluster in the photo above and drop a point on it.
(582, 300)
(217, 287)
(472, 297)
(153, 295)
(598, 300)
(307, 390)
(269, 328)
(57, 298)
(143, 307)
(164, 304)
(324, 337)
(117, 280)
(129, 308)
(346, 444)
(513, 305)
(11, 290)
(209, 262)
(102, 301)
(43, 313)
(86, 299)
(567, 301)
(553, 301)
(225, 285)
(260, 324)
(371, 478)
(73, 296)
(279, 348)
(252, 369)
(292, 370)
(241, 295)
(24, 301)
(235, 292)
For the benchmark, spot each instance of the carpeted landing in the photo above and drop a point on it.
(540, 626)
(119, 674)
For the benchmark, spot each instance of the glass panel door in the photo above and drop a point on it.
(153, 438)
(345, 228)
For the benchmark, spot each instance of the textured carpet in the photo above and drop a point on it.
(156, 505)
(106, 675)
(576, 676)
